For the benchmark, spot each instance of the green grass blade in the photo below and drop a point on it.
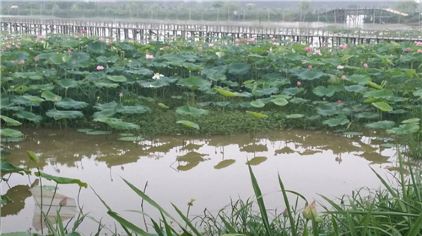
(416, 227)
(148, 199)
(289, 211)
(157, 228)
(186, 220)
(126, 224)
(166, 225)
(260, 201)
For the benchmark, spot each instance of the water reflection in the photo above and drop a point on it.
(211, 170)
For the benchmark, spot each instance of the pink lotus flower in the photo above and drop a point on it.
(419, 51)
(343, 46)
(100, 68)
(418, 43)
(149, 56)
(407, 50)
(298, 83)
(365, 65)
(309, 67)
(308, 49)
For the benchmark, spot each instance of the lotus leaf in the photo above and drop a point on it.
(383, 106)
(67, 83)
(68, 103)
(10, 121)
(238, 69)
(117, 78)
(60, 115)
(322, 91)
(10, 133)
(195, 83)
(257, 103)
(336, 121)
(258, 115)
(118, 124)
(61, 180)
(26, 115)
(225, 92)
(50, 96)
(188, 124)
(280, 101)
(295, 116)
(384, 124)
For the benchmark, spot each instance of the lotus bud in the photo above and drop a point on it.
(120, 94)
(310, 212)
(191, 201)
(99, 68)
(343, 46)
(149, 56)
(309, 67)
(418, 43)
(340, 67)
(298, 83)
(343, 77)
(365, 65)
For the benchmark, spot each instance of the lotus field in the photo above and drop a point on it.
(186, 87)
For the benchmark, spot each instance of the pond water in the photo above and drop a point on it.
(210, 170)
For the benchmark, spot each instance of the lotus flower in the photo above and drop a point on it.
(309, 67)
(418, 43)
(298, 83)
(343, 46)
(99, 68)
(219, 54)
(340, 67)
(308, 49)
(149, 56)
(419, 51)
(365, 65)
(157, 76)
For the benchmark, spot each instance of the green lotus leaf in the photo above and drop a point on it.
(118, 124)
(367, 115)
(418, 93)
(238, 69)
(67, 83)
(159, 83)
(26, 115)
(10, 133)
(195, 83)
(225, 92)
(310, 74)
(117, 78)
(188, 124)
(404, 129)
(138, 109)
(357, 88)
(191, 111)
(10, 121)
(322, 91)
(60, 115)
(105, 84)
(97, 47)
(360, 79)
(50, 96)
(79, 59)
(383, 106)
(327, 109)
(336, 121)
(33, 100)
(61, 180)
(68, 103)
(280, 101)
(56, 58)
(7, 168)
(257, 103)
(384, 124)
(379, 94)
(162, 105)
(411, 121)
(131, 138)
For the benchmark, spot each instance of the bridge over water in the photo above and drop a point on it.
(147, 31)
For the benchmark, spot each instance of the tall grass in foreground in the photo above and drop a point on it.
(396, 210)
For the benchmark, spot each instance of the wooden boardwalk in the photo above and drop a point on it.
(206, 31)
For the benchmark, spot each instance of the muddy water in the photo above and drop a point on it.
(177, 169)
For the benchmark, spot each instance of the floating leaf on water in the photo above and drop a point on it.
(257, 103)
(68, 103)
(50, 96)
(224, 163)
(60, 115)
(384, 124)
(258, 115)
(9, 121)
(188, 124)
(191, 111)
(295, 116)
(256, 161)
(10, 133)
(383, 106)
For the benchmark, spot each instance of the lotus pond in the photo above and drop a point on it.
(99, 111)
